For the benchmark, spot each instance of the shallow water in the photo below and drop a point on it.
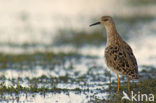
(33, 69)
(81, 78)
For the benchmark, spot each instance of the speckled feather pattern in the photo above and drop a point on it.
(119, 57)
(118, 54)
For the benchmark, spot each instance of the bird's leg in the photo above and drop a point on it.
(118, 83)
(128, 83)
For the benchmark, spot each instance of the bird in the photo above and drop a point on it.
(118, 54)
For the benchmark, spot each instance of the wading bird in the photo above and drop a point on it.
(119, 56)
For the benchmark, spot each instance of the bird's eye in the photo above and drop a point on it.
(105, 19)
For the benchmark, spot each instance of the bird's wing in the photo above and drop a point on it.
(121, 58)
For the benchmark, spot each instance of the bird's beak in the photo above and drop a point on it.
(97, 23)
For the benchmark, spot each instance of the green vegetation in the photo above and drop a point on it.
(80, 38)
(141, 2)
(28, 61)
(49, 84)
(95, 80)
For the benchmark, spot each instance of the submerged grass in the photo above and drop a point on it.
(143, 87)
(29, 61)
(80, 38)
(141, 2)
(91, 83)
(49, 84)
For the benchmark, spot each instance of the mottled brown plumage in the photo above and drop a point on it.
(119, 56)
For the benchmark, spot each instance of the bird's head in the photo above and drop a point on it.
(105, 20)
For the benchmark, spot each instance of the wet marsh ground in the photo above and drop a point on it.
(51, 55)
(73, 69)
(65, 77)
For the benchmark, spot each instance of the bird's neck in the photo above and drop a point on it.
(112, 34)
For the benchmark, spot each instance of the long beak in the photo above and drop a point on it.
(97, 23)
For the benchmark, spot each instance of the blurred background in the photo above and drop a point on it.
(48, 39)
(27, 26)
